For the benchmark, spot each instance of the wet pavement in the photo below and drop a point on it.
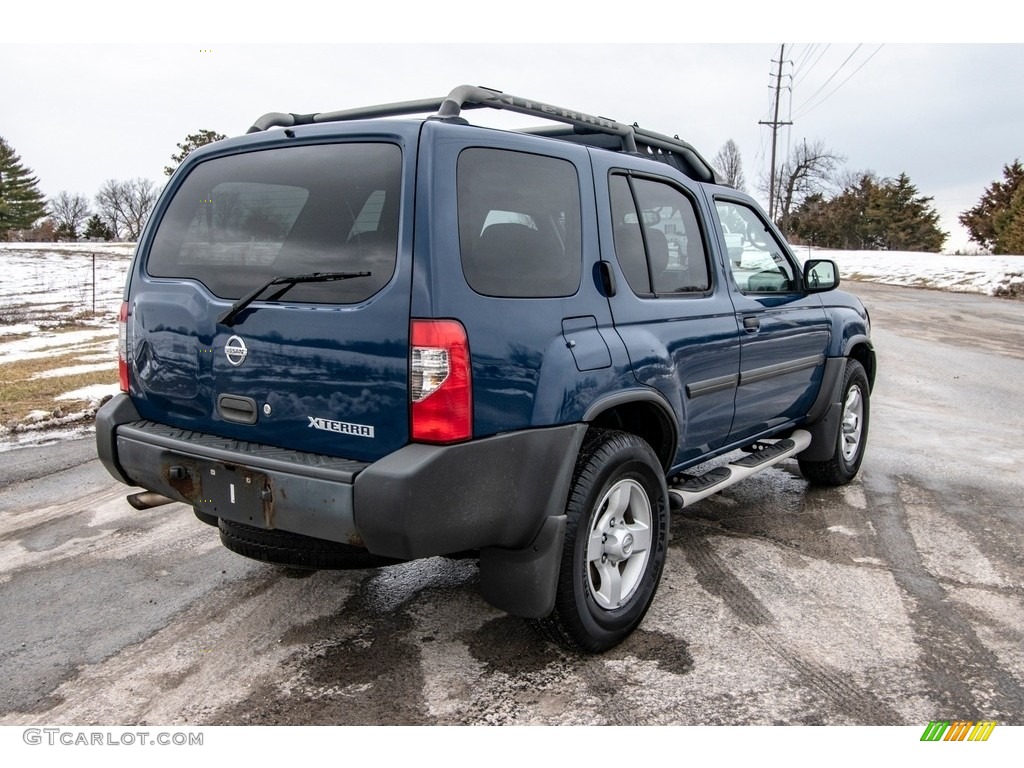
(898, 599)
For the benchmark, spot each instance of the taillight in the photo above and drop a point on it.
(122, 347)
(439, 382)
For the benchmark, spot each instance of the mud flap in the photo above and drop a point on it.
(522, 582)
(823, 419)
(824, 435)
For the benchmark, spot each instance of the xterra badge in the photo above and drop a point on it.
(341, 427)
(235, 351)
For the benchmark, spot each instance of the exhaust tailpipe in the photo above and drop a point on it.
(148, 500)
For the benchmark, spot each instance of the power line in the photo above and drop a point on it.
(830, 78)
(825, 98)
(801, 59)
(813, 64)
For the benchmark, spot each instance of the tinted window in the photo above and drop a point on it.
(657, 239)
(629, 240)
(519, 224)
(241, 220)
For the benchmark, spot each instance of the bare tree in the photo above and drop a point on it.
(69, 213)
(729, 163)
(142, 195)
(809, 169)
(110, 204)
(124, 206)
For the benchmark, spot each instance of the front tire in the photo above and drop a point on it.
(615, 543)
(852, 439)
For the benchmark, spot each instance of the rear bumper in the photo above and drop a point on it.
(419, 501)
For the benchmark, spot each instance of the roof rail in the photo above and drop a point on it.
(632, 138)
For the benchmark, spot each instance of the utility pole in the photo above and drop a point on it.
(775, 128)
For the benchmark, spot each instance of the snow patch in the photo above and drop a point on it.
(990, 275)
(75, 370)
(93, 392)
(46, 344)
(46, 435)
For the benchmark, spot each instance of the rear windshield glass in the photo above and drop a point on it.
(239, 221)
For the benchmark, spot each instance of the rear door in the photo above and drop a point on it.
(671, 306)
(508, 247)
(320, 367)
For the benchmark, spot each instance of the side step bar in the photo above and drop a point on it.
(694, 489)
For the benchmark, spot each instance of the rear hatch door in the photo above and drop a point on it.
(316, 362)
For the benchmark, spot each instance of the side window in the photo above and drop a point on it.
(629, 241)
(657, 239)
(757, 259)
(519, 224)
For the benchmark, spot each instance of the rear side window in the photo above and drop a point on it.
(657, 239)
(519, 224)
(239, 221)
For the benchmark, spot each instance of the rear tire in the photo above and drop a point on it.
(208, 519)
(615, 543)
(295, 550)
(852, 439)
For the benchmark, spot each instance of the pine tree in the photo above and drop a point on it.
(1011, 226)
(191, 143)
(910, 221)
(871, 214)
(21, 202)
(95, 228)
(991, 221)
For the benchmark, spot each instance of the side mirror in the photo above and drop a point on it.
(820, 275)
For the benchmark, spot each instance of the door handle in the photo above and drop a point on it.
(751, 324)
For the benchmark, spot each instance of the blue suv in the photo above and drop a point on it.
(371, 337)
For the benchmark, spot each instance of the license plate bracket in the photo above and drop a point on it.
(235, 493)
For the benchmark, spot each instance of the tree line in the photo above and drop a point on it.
(820, 203)
(118, 211)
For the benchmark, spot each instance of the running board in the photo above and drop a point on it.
(694, 489)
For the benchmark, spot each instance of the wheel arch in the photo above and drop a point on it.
(860, 349)
(642, 412)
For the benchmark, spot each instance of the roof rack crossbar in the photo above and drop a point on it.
(469, 96)
(450, 107)
(287, 120)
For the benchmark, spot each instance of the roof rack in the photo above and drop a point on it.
(583, 128)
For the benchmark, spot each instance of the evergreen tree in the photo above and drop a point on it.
(909, 222)
(993, 222)
(191, 143)
(21, 202)
(1011, 226)
(95, 228)
(871, 214)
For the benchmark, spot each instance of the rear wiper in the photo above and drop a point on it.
(286, 283)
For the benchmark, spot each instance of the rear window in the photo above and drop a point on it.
(239, 221)
(519, 224)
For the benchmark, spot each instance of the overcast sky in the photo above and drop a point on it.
(949, 116)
